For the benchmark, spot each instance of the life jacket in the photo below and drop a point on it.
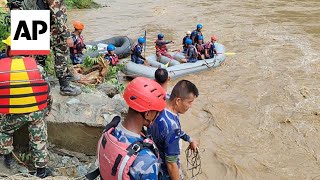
(78, 44)
(133, 47)
(196, 34)
(210, 46)
(200, 48)
(23, 89)
(114, 157)
(160, 45)
(113, 59)
(194, 54)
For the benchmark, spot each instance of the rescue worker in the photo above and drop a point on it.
(166, 130)
(76, 51)
(200, 48)
(61, 39)
(188, 36)
(191, 53)
(110, 56)
(123, 151)
(24, 99)
(162, 77)
(210, 49)
(196, 33)
(136, 51)
(161, 47)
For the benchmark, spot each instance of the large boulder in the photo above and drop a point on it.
(76, 123)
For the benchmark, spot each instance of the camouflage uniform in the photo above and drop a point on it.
(59, 35)
(59, 31)
(37, 128)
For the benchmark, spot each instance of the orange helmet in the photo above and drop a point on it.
(78, 25)
(214, 38)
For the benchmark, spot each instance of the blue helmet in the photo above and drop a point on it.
(188, 41)
(200, 38)
(111, 47)
(199, 26)
(141, 40)
(160, 36)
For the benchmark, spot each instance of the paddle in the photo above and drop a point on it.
(171, 59)
(228, 53)
(145, 43)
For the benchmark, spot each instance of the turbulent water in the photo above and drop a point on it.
(258, 115)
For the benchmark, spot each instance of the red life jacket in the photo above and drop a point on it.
(113, 59)
(114, 157)
(161, 45)
(200, 48)
(79, 44)
(22, 87)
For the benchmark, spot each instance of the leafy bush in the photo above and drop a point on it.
(50, 65)
(112, 77)
(81, 4)
(4, 31)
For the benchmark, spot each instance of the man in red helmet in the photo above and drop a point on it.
(210, 49)
(123, 151)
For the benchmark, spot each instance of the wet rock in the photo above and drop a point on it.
(109, 89)
(73, 101)
(65, 159)
(23, 170)
(81, 171)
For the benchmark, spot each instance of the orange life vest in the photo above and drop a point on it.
(22, 86)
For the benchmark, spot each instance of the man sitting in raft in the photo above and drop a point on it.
(210, 50)
(136, 51)
(76, 52)
(161, 47)
(111, 56)
(185, 46)
(191, 53)
(200, 48)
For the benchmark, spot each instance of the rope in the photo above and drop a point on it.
(194, 162)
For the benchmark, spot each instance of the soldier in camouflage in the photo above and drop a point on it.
(61, 39)
(37, 127)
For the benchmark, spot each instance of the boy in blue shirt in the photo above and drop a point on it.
(166, 130)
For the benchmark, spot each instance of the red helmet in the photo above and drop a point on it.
(143, 94)
(214, 38)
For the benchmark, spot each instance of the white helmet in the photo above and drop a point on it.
(188, 32)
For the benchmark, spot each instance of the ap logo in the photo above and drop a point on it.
(30, 32)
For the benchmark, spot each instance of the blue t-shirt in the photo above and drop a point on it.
(166, 133)
(146, 164)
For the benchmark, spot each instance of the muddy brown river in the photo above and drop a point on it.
(258, 115)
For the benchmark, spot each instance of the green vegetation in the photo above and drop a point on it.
(81, 4)
(4, 31)
(50, 65)
(112, 77)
